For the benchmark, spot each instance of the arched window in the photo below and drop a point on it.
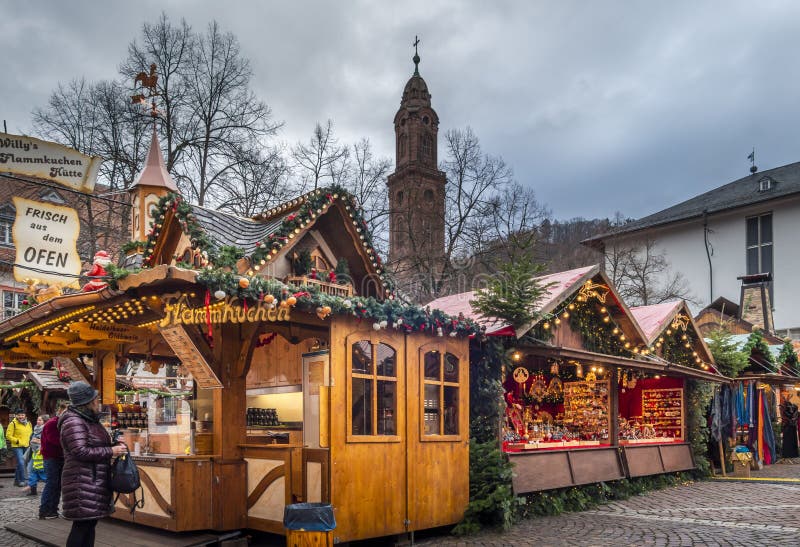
(427, 146)
(428, 196)
(403, 145)
(400, 197)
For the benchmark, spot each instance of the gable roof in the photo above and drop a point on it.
(227, 229)
(558, 287)
(269, 236)
(785, 181)
(656, 318)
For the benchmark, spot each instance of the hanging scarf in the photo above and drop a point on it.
(760, 434)
(771, 455)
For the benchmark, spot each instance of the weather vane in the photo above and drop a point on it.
(148, 82)
(752, 158)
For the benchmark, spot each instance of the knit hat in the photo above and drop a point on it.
(81, 393)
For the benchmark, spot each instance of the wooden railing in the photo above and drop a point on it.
(333, 289)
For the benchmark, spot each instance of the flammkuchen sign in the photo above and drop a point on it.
(48, 160)
(46, 238)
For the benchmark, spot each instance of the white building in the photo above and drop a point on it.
(748, 226)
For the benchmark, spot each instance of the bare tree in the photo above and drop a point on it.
(96, 120)
(480, 187)
(168, 46)
(643, 275)
(256, 183)
(365, 179)
(509, 231)
(322, 157)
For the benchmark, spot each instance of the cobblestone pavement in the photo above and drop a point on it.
(705, 513)
(15, 506)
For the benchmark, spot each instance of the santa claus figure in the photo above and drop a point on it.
(98, 271)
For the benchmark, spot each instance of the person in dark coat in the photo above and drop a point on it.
(85, 490)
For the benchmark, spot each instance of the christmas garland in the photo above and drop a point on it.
(677, 348)
(146, 391)
(586, 318)
(16, 386)
(308, 208)
(188, 223)
(383, 314)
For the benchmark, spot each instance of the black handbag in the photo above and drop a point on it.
(125, 479)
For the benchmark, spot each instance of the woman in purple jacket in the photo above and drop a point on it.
(85, 491)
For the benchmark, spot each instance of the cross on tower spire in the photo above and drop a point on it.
(416, 56)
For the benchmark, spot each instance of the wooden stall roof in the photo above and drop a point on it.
(641, 363)
(47, 380)
(656, 318)
(225, 229)
(558, 286)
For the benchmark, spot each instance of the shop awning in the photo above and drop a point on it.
(772, 379)
(627, 362)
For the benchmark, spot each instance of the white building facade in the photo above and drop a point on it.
(746, 227)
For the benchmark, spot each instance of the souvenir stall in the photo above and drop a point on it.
(241, 392)
(653, 407)
(756, 411)
(589, 396)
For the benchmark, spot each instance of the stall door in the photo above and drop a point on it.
(368, 433)
(438, 433)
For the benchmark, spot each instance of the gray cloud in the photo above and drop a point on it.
(601, 107)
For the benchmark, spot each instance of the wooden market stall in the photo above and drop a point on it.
(254, 385)
(586, 385)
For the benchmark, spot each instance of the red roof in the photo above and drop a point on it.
(557, 284)
(653, 319)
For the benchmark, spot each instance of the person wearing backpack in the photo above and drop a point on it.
(18, 435)
(85, 490)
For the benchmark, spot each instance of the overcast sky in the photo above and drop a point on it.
(599, 106)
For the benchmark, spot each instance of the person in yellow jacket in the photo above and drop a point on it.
(36, 470)
(18, 436)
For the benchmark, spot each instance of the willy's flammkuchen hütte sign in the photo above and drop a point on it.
(48, 160)
(45, 238)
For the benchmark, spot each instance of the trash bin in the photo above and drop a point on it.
(309, 524)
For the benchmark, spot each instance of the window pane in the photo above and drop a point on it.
(432, 366)
(450, 410)
(766, 229)
(362, 357)
(752, 231)
(450, 368)
(752, 261)
(387, 357)
(766, 258)
(8, 299)
(362, 406)
(387, 407)
(431, 409)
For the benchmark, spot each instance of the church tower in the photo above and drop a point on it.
(417, 186)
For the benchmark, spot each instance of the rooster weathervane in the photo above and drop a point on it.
(148, 83)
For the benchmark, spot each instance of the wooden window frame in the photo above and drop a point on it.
(374, 339)
(443, 350)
